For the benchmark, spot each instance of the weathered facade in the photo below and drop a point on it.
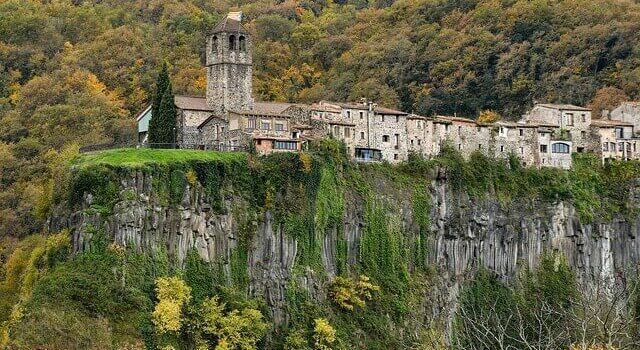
(228, 118)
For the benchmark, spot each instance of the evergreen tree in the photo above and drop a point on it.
(162, 83)
(166, 120)
(163, 112)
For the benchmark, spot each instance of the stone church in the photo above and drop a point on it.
(228, 118)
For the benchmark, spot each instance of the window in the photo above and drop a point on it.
(368, 154)
(279, 127)
(580, 149)
(560, 147)
(251, 123)
(419, 142)
(521, 131)
(479, 129)
(521, 150)
(543, 148)
(480, 146)
(288, 145)
(259, 142)
(361, 115)
(569, 118)
(459, 130)
(349, 114)
(397, 119)
(361, 135)
(411, 142)
(583, 134)
(346, 132)
(382, 118)
(619, 133)
(242, 43)
(395, 156)
(620, 146)
(502, 131)
(214, 44)
(294, 135)
(584, 118)
(232, 42)
(396, 139)
(336, 130)
(605, 146)
(266, 125)
(385, 138)
(501, 148)
(459, 146)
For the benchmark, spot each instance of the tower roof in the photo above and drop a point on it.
(230, 24)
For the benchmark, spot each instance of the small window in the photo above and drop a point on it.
(521, 150)
(361, 115)
(346, 132)
(543, 148)
(580, 149)
(266, 125)
(214, 44)
(242, 43)
(480, 146)
(521, 131)
(385, 138)
(362, 135)
(336, 130)
(584, 118)
(560, 148)
(411, 142)
(479, 128)
(459, 130)
(583, 134)
(419, 142)
(395, 156)
(605, 146)
(459, 146)
(397, 119)
(259, 142)
(501, 148)
(251, 123)
(382, 118)
(232, 42)
(349, 114)
(279, 127)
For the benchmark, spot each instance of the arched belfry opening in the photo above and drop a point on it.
(242, 43)
(214, 44)
(232, 42)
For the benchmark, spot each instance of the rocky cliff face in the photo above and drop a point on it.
(464, 233)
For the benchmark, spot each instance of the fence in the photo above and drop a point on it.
(192, 146)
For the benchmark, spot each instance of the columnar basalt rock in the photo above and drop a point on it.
(465, 233)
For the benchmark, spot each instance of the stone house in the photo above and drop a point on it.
(517, 139)
(573, 120)
(616, 140)
(627, 112)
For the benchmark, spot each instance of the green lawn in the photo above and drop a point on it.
(138, 157)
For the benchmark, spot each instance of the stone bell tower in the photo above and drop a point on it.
(229, 66)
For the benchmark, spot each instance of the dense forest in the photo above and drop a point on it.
(74, 72)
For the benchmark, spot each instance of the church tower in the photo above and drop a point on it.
(229, 66)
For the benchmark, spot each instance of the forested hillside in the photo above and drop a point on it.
(76, 72)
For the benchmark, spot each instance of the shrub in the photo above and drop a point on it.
(323, 334)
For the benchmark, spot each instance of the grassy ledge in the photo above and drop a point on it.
(131, 157)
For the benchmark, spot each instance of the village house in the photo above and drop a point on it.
(227, 118)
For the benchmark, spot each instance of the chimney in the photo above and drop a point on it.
(605, 114)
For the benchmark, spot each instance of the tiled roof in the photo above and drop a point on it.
(609, 123)
(377, 109)
(230, 24)
(192, 103)
(562, 106)
(268, 109)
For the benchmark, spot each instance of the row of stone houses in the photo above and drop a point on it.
(228, 118)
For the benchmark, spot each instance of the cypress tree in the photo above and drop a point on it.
(163, 112)
(166, 121)
(162, 83)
